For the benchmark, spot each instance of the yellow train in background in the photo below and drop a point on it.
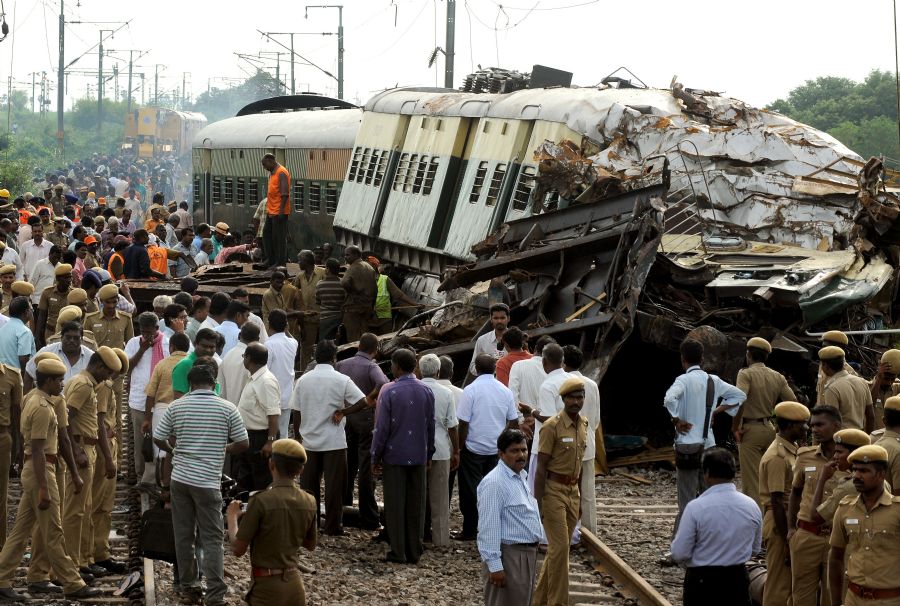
(155, 132)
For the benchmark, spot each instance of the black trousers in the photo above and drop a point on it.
(332, 465)
(275, 238)
(251, 468)
(359, 464)
(717, 585)
(404, 510)
(472, 468)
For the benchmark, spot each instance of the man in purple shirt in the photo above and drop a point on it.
(402, 445)
(366, 374)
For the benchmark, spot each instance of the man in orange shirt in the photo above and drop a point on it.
(278, 208)
(514, 343)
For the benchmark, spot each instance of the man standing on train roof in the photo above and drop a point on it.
(278, 207)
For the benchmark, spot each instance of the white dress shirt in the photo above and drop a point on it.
(140, 372)
(71, 369)
(549, 400)
(591, 412)
(686, 400)
(263, 334)
(259, 400)
(209, 322)
(487, 405)
(31, 253)
(525, 379)
(444, 419)
(11, 256)
(230, 331)
(282, 353)
(42, 277)
(488, 343)
(319, 394)
(232, 375)
(456, 391)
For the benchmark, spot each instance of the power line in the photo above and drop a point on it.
(406, 31)
(548, 8)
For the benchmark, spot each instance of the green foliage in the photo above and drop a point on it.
(861, 115)
(219, 103)
(15, 175)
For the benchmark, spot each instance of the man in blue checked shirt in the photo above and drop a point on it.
(509, 525)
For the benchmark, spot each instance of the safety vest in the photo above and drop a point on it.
(23, 216)
(158, 259)
(273, 193)
(109, 266)
(383, 299)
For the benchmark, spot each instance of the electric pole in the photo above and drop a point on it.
(450, 43)
(60, 84)
(298, 55)
(100, 87)
(340, 34)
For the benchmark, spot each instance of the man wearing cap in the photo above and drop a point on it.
(16, 340)
(90, 260)
(884, 384)
(218, 238)
(39, 504)
(72, 313)
(864, 548)
(807, 532)
(848, 393)
(9, 256)
(58, 235)
(7, 277)
(832, 338)
(278, 209)
(889, 439)
(10, 405)
(562, 443)
(845, 442)
(85, 420)
(752, 426)
(278, 521)
(69, 347)
(52, 300)
(775, 478)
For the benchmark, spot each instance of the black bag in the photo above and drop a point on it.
(689, 456)
(147, 447)
(157, 538)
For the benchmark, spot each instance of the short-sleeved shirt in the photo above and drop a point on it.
(260, 399)
(141, 370)
(277, 299)
(106, 403)
(160, 385)
(330, 295)
(81, 396)
(39, 423)
(871, 540)
(764, 388)
(15, 340)
(487, 406)
(444, 419)
(850, 395)
(776, 470)
(10, 391)
(890, 441)
(277, 521)
(318, 394)
(844, 488)
(360, 284)
(306, 290)
(51, 302)
(807, 468)
(565, 441)
(180, 373)
(71, 369)
(112, 332)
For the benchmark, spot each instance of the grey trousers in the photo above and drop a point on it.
(404, 511)
(439, 502)
(197, 515)
(146, 473)
(519, 563)
(690, 484)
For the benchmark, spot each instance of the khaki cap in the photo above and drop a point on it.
(289, 448)
(890, 358)
(831, 353)
(7, 269)
(46, 355)
(792, 411)
(68, 314)
(892, 403)
(222, 228)
(23, 289)
(53, 368)
(109, 291)
(123, 357)
(571, 384)
(852, 437)
(868, 454)
(63, 269)
(835, 336)
(110, 358)
(76, 295)
(760, 343)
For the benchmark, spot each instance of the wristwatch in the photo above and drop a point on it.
(271, 438)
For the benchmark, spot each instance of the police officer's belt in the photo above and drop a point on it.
(49, 457)
(271, 572)
(562, 479)
(819, 529)
(86, 440)
(873, 594)
(761, 421)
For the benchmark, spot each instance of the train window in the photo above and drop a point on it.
(311, 156)
(382, 165)
(354, 164)
(252, 191)
(503, 128)
(429, 177)
(551, 200)
(402, 169)
(370, 162)
(523, 188)
(231, 153)
(421, 168)
(241, 154)
(440, 125)
(217, 190)
(424, 123)
(228, 193)
(410, 174)
(486, 127)
(331, 198)
(315, 198)
(196, 191)
(496, 181)
(240, 192)
(297, 194)
(478, 183)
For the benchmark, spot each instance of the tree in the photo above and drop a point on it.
(218, 103)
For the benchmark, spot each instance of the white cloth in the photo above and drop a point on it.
(43, 277)
(134, 205)
(282, 353)
(456, 391)
(686, 400)
(3, 320)
(259, 400)
(549, 401)
(444, 419)
(140, 372)
(11, 256)
(230, 331)
(263, 334)
(232, 375)
(318, 394)
(71, 369)
(591, 412)
(488, 343)
(201, 258)
(525, 379)
(210, 323)
(487, 405)
(31, 254)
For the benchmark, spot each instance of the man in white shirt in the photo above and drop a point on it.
(489, 343)
(243, 296)
(236, 315)
(260, 410)
(10, 256)
(527, 376)
(34, 250)
(445, 378)
(134, 205)
(486, 408)
(218, 311)
(282, 353)
(446, 452)
(70, 350)
(320, 397)
(44, 274)
(232, 375)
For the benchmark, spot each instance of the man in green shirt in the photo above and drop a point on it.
(204, 347)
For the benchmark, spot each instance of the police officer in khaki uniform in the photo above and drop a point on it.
(53, 299)
(884, 384)
(84, 423)
(752, 425)
(775, 475)
(848, 393)
(808, 532)
(832, 338)
(889, 439)
(111, 327)
(277, 522)
(7, 277)
(10, 405)
(864, 544)
(556, 488)
(845, 442)
(72, 313)
(39, 503)
(19, 289)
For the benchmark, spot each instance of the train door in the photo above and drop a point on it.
(205, 182)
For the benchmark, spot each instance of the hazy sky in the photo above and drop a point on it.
(755, 51)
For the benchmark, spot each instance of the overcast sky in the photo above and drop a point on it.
(754, 51)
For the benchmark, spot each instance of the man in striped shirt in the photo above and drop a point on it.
(330, 296)
(204, 427)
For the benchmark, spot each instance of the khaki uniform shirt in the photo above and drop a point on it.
(892, 390)
(106, 403)
(5, 299)
(565, 442)
(284, 300)
(306, 290)
(51, 302)
(360, 281)
(160, 385)
(890, 441)
(871, 540)
(39, 423)
(850, 395)
(276, 523)
(61, 240)
(822, 380)
(764, 388)
(112, 332)
(92, 306)
(80, 394)
(776, 470)
(808, 466)
(10, 391)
